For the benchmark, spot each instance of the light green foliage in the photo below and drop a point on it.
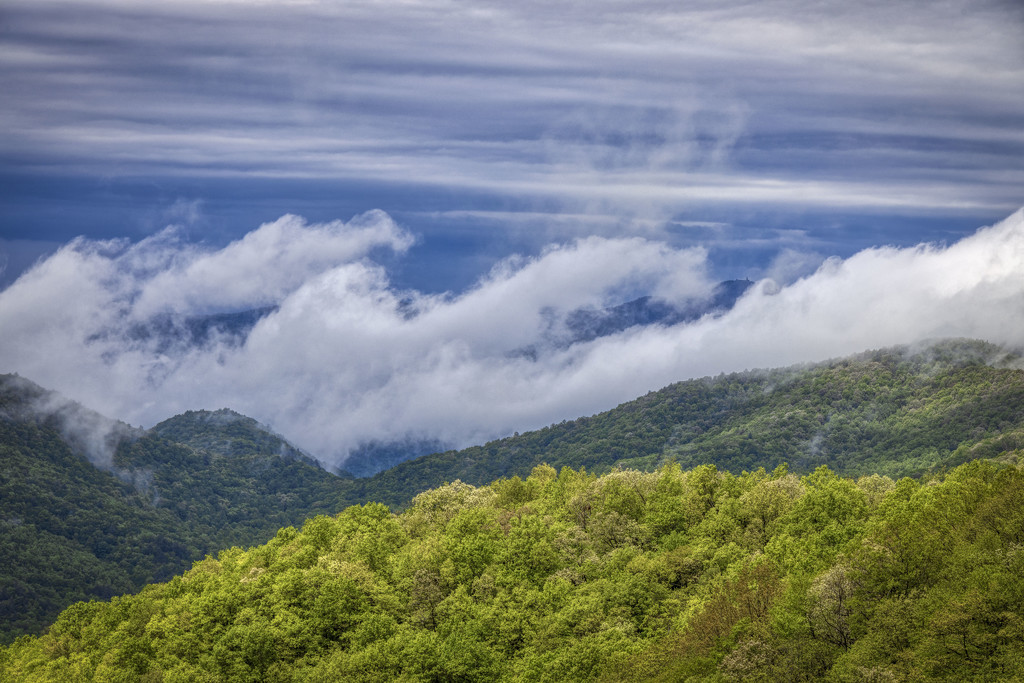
(686, 567)
(670, 575)
(204, 481)
(820, 522)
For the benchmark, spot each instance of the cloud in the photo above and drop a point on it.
(263, 266)
(87, 433)
(345, 358)
(790, 265)
(620, 134)
(626, 107)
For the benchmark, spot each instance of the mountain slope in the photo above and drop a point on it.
(229, 474)
(895, 411)
(154, 501)
(666, 576)
(77, 523)
(70, 531)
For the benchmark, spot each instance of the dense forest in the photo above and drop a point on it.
(897, 411)
(71, 530)
(205, 481)
(672, 575)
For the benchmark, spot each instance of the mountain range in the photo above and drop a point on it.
(587, 324)
(677, 574)
(91, 507)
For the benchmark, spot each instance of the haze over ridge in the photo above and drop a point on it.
(346, 357)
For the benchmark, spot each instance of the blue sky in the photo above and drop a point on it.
(493, 128)
(643, 147)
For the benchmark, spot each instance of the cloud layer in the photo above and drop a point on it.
(625, 148)
(622, 108)
(346, 358)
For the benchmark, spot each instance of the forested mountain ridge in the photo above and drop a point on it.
(91, 508)
(673, 575)
(227, 433)
(898, 411)
(203, 481)
(70, 531)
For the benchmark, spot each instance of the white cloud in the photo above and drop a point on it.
(346, 358)
(266, 264)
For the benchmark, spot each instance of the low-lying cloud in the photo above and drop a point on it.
(344, 358)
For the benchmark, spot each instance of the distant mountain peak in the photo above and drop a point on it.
(587, 324)
(227, 433)
(167, 331)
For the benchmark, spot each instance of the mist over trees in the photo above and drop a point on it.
(752, 526)
(76, 526)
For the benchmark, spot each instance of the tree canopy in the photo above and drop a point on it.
(671, 575)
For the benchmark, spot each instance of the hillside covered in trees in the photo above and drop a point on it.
(898, 412)
(141, 510)
(73, 529)
(564, 576)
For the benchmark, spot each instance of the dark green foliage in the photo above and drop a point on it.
(71, 531)
(896, 412)
(240, 497)
(225, 433)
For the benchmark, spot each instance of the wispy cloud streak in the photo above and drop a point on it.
(645, 104)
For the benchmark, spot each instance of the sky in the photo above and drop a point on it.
(424, 190)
